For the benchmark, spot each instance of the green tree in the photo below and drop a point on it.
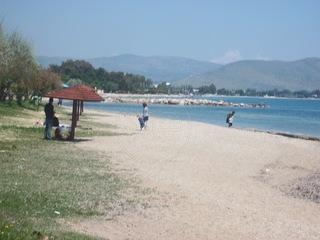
(100, 78)
(20, 75)
(4, 64)
(223, 91)
(45, 81)
(251, 92)
(239, 92)
(211, 89)
(74, 81)
(163, 88)
(22, 66)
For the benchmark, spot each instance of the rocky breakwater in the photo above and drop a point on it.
(182, 101)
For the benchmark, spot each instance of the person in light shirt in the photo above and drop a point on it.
(229, 119)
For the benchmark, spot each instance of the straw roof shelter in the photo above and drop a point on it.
(79, 94)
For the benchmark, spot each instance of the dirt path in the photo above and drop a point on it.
(211, 183)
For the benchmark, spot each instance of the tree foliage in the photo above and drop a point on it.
(20, 75)
(270, 93)
(211, 89)
(102, 79)
(45, 81)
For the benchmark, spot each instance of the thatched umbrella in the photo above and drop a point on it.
(79, 94)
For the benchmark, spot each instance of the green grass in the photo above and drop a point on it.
(25, 231)
(44, 181)
(10, 230)
(47, 180)
(11, 110)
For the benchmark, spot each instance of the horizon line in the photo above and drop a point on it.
(148, 56)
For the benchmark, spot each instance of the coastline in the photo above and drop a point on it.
(288, 135)
(272, 132)
(204, 95)
(279, 133)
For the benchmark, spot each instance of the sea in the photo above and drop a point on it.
(292, 116)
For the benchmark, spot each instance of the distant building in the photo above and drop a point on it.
(100, 91)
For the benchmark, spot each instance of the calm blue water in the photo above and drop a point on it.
(298, 116)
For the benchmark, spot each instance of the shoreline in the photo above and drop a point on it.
(285, 134)
(278, 133)
(204, 95)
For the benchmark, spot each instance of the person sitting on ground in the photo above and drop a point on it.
(229, 119)
(55, 122)
(57, 134)
(62, 132)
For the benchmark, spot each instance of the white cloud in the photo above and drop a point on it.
(228, 57)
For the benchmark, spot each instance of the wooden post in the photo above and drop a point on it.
(78, 110)
(74, 119)
(81, 108)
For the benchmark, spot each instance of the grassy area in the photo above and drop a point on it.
(24, 231)
(44, 181)
(14, 110)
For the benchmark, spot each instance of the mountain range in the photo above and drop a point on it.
(258, 74)
(261, 75)
(157, 68)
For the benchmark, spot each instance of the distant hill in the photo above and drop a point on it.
(258, 74)
(157, 68)
(45, 61)
(295, 75)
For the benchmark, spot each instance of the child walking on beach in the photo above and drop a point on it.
(229, 119)
(145, 114)
(141, 122)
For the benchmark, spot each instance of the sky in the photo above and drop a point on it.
(217, 31)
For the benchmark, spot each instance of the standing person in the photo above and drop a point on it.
(229, 119)
(49, 111)
(145, 114)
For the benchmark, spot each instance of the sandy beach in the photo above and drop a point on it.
(208, 182)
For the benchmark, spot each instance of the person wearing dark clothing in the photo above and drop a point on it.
(140, 119)
(229, 119)
(145, 114)
(49, 111)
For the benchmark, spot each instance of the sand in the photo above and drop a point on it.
(209, 182)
